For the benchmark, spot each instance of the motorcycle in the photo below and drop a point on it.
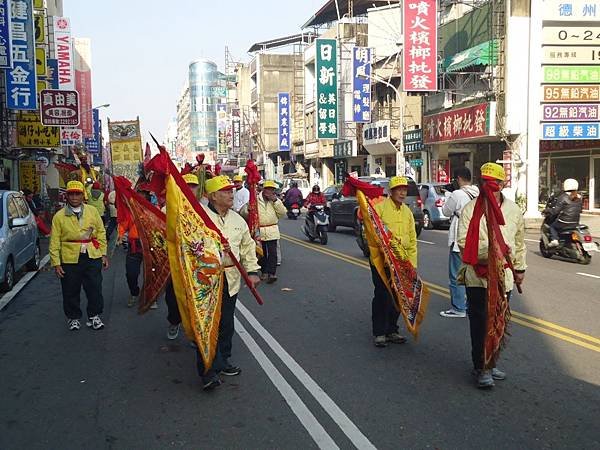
(315, 224)
(293, 211)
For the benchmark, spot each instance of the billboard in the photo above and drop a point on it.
(64, 52)
(556, 93)
(571, 74)
(32, 134)
(461, 124)
(361, 84)
(327, 89)
(571, 112)
(564, 131)
(59, 108)
(419, 68)
(283, 117)
(5, 35)
(82, 64)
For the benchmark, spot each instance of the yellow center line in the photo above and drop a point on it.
(525, 320)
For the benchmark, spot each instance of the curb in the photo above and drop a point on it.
(9, 296)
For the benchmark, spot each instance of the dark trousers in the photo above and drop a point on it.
(477, 312)
(87, 273)
(268, 263)
(133, 265)
(224, 344)
(112, 226)
(556, 228)
(383, 310)
(173, 315)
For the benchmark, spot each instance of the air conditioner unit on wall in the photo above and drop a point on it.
(448, 99)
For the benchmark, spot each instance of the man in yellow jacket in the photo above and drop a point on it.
(399, 221)
(78, 254)
(219, 191)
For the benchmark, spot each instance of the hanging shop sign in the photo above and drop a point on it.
(40, 62)
(361, 84)
(327, 89)
(39, 25)
(413, 141)
(571, 35)
(574, 10)
(221, 131)
(571, 93)
(571, 55)
(71, 136)
(377, 138)
(419, 71)
(236, 130)
(64, 52)
(564, 131)
(284, 125)
(344, 149)
(60, 108)
(20, 80)
(5, 35)
(461, 124)
(571, 74)
(29, 178)
(571, 112)
(32, 134)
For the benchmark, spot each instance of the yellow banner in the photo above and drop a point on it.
(126, 151)
(29, 177)
(32, 134)
(39, 26)
(38, 4)
(40, 62)
(41, 85)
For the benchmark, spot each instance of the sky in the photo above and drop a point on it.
(141, 48)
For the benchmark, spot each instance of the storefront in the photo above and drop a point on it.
(377, 140)
(580, 160)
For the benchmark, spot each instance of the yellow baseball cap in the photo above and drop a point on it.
(237, 178)
(493, 171)
(398, 181)
(219, 183)
(270, 184)
(75, 186)
(190, 178)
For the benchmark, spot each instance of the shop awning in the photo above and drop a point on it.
(484, 54)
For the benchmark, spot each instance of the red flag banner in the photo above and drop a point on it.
(252, 179)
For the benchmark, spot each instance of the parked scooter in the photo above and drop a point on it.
(293, 211)
(315, 224)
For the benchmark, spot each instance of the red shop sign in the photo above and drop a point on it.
(461, 124)
(59, 107)
(419, 71)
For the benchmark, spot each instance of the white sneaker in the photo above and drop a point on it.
(453, 313)
(173, 332)
(74, 325)
(95, 323)
(553, 243)
(154, 305)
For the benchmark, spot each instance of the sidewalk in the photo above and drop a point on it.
(592, 221)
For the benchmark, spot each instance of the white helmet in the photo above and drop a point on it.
(570, 185)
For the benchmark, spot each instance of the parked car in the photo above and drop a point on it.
(19, 241)
(332, 191)
(433, 196)
(343, 210)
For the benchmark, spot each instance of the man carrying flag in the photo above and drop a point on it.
(491, 237)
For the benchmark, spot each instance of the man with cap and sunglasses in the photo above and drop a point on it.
(503, 264)
(78, 254)
(219, 191)
(399, 221)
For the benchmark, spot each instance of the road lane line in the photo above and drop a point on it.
(526, 320)
(8, 297)
(537, 241)
(563, 337)
(357, 438)
(306, 418)
(425, 242)
(588, 275)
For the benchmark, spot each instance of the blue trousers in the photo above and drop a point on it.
(458, 294)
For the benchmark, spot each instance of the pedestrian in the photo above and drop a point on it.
(452, 208)
(78, 255)
(293, 195)
(241, 195)
(270, 210)
(33, 205)
(96, 199)
(491, 236)
(220, 197)
(400, 223)
(111, 214)
(129, 236)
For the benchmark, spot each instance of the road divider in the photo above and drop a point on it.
(543, 326)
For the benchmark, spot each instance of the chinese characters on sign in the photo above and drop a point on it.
(283, 114)
(93, 144)
(571, 74)
(5, 38)
(574, 10)
(361, 85)
(29, 177)
(413, 141)
(32, 134)
(586, 130)
(326, 74)
(221, 130)
(64, 52)
(344, 149)
(570, 55)
(571, 93)
(59, 108)
(71, 136)
(236, 131)
(419, 71)
(571, 112)
(21, 79)
(460, 124)
(571, 35)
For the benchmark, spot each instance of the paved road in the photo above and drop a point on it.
(311, 376)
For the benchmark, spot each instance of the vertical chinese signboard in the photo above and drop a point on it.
(21, 89)
(283, 115)
(221, 131)
(361, 84)
(82, 62)
(236, 131)
(64, 52)
(419, 70)
(326, 74)
(5, 35)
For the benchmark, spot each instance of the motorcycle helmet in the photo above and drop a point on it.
(570, 185)
(316, 189)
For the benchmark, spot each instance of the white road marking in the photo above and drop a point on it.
(308, 420)
(532, 240)
(588, 275)
(7, 298)
(425, 242)
(346, 425)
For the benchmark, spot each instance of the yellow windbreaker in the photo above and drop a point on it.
(269, 214)
(401, 223)
(67, 230)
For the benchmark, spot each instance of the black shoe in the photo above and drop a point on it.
(231, 371)
(212, 383)
(271, 279)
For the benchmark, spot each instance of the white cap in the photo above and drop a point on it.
(570, 185)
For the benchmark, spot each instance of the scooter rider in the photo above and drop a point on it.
(293, 195)
(567, 210)
(316, 197)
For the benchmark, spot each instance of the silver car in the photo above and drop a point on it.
(19, 241)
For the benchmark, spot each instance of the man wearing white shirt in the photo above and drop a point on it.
(241, 195)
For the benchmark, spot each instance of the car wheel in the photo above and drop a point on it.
(34, 264)
(427, 223)
(9, 276)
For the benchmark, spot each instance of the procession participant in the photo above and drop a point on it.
(220, 196)
(78, 254)
(112, 214)
(490, 271)
(96, 198)
(241, 195)
(128, 233)
(400, 223)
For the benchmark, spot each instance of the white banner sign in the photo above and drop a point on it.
(571, 35)
(571, 55)
(571, 10)
(64, 53)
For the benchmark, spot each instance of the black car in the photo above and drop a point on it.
(331, 191)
